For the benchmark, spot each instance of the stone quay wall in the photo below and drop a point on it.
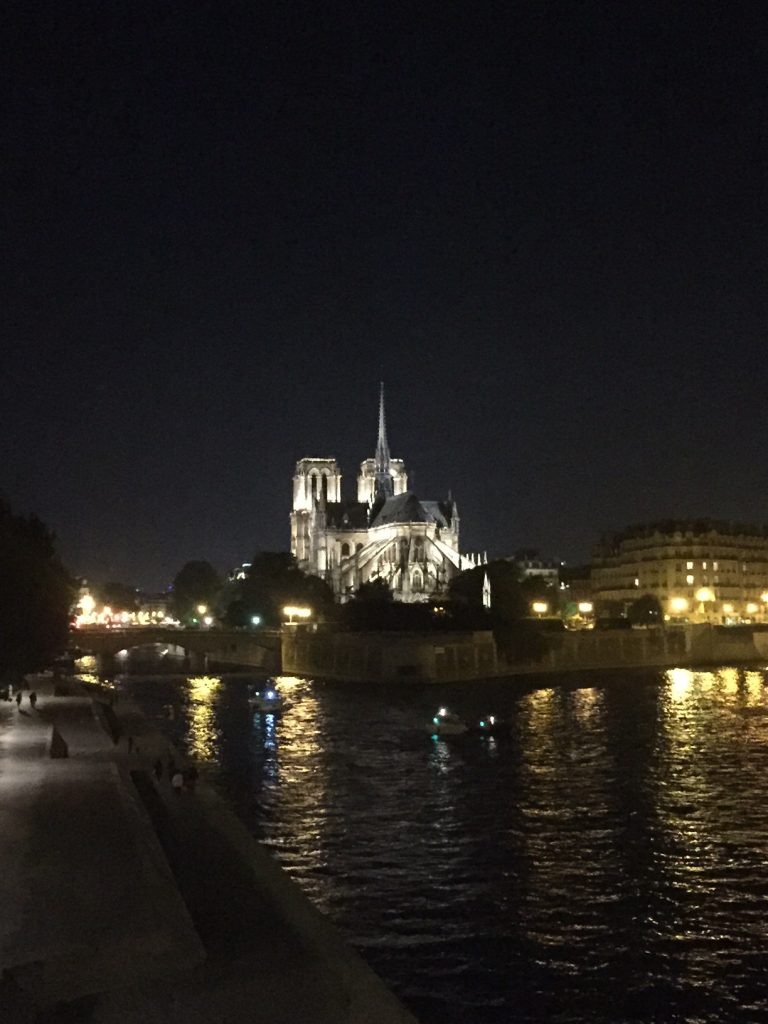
(448, 657)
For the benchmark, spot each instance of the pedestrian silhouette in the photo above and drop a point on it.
(177, 781)
(158, 769)
(18, 699)
(33, 698)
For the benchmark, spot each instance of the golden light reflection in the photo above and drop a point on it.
(680, 680)
(729, 680)
(587, 704)
(705, 680)
(753, 682)
(203, 736)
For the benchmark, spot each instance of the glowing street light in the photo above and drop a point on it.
(751, 608)
(586, 607)
(678, 605)
(540, 608)
(202, 609)
(296, 612)
(255, 620)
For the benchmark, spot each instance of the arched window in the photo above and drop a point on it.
(345, 550)
(313, 485)
(325, 487)
(417, 580)
(358, 547)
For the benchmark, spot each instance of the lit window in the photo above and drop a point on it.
(689, 579)
(703, 565)
(689, 565)
(637, 581)
(715, 566)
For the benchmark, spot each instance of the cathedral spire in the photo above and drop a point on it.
(384, 485)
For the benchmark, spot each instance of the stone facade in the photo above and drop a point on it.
(699, 571)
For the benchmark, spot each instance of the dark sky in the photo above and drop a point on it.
(543, 225)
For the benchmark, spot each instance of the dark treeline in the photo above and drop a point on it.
(36, 595)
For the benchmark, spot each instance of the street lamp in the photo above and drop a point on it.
(540, 608)
(255, 620)
(296, 612)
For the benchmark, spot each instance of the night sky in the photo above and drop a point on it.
(543, 225)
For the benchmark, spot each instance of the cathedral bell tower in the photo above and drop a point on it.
(315, 482)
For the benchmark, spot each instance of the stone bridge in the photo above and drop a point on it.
(236, 647)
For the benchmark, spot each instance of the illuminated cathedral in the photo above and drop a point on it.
(387, 534)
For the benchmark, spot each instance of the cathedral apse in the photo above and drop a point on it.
(387, 534)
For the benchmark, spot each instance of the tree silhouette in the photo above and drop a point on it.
(36, 595)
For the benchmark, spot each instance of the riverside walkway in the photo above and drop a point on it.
(125, 902)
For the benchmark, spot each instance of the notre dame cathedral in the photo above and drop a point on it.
(387, 534)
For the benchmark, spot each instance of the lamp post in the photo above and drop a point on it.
(540, 608)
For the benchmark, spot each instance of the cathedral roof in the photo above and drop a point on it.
(347, 515)
(406, 508)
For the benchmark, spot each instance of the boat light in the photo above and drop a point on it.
(436, 720)
(482, 725)
(442, 712)
(270, 695)
(492, 719)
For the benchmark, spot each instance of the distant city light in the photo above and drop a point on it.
(705, 594)
(296, 612)
(540, 607)
(202, 609)
(678, 605)
(255, 620)
(586, 607)
(751, 608)
(728, 609)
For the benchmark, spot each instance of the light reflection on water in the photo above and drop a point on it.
(605, 861)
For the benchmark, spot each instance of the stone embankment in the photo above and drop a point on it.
(455, 657)
(125, 902)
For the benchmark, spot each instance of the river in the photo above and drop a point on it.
(604, 862)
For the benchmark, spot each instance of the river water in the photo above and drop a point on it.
(603, 862)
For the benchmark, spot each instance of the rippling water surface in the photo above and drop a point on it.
(605, 861)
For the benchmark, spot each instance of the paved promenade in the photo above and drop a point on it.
(125, 902)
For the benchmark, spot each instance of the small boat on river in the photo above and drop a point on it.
(268, 700)
(490, 725)
(447, 723)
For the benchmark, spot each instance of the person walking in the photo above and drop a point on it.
(33, 699)
(177, 782)
(18, 700)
